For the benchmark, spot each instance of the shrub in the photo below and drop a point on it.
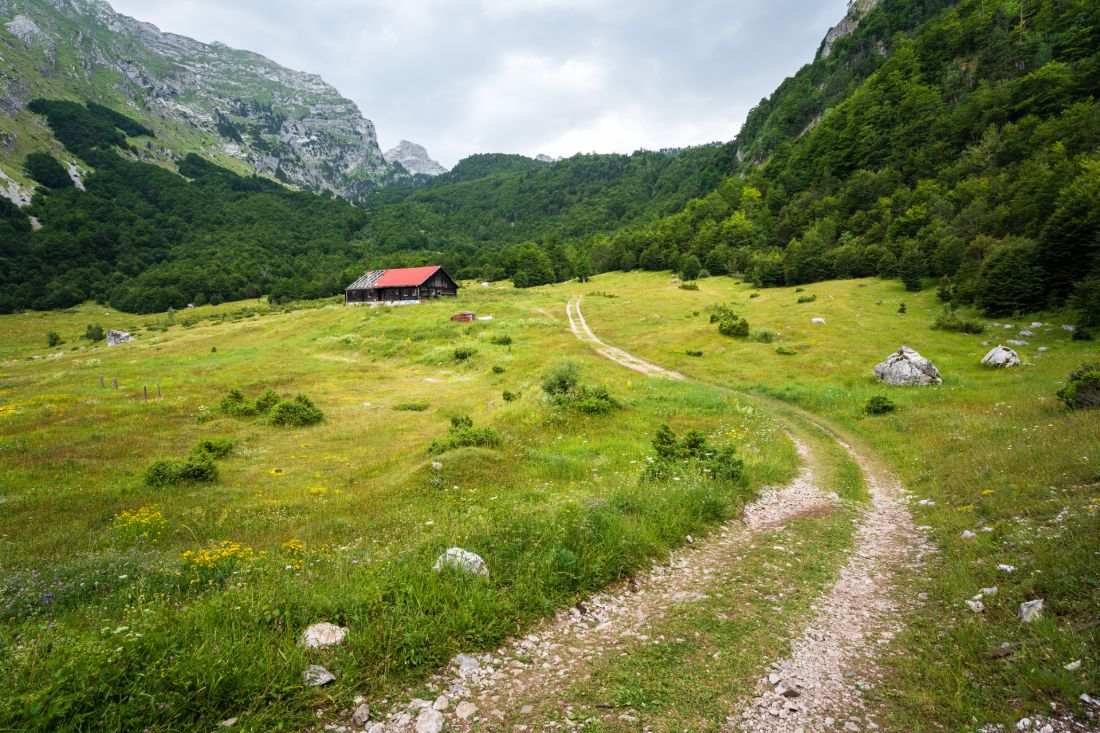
(498, 369)
(1082, 390)
(53, 338)
(693, 452)
(595, 400)
(462, 353)
(734, 326)
(879, 405)
(412, 406)
(298, 412)
(807, 298)
(501, 339)
(763, 336)
(213, 447)
(785, 351)
(720, 311)
(693, 352)
(561, 379)
(799, 290)
(463, 434)
(267, 399)
(689, 286)
(94, 332)
(511, 396)
(1081, 334)
(949, 320)
(236, 405)
(901, 309)
(196, 468)
(562, 386)
(754, 295)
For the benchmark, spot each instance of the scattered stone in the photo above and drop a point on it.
(1068, 328)
(819, 321)
(377, 728)
(465, 709)
(429, 721)
(1037, 324)
(323, 634)
(114, 338)
(1009, 327)
(1026, 333)
(465, 662)
(975, 606)
(436, 465)
(967, 534)
(991, 591)
(441, 703)
(228, 723)
(1073, 666)
(1031, 610)
(1016, 342)
(463, 560)
(1001, 356)
(906, 367)
(787, 689)
(1007, 568)
(1044, 348)
(317, 676)
(361, 716)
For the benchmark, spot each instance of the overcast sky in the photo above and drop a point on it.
(526, 76)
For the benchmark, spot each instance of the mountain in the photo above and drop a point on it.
(234, 107)
(414, 158)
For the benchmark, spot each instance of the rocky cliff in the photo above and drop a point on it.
(856, 10)
(233, 106)
(414, 158)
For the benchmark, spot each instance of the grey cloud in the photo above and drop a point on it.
(553, 76)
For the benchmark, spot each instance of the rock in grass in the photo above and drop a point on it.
(1031, 610)
(1073, 666)
(316, 676)
(323, 634)
(465, 710)
(463, 560)
(114, 338)
(1026, 333)
(377, 728)
(975, 606)
(361, 716)
(429, 721)
(905, 367)
(1001, 356)
(818, 321)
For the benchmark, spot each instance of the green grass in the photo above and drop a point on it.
(191, 613)
(991, 448)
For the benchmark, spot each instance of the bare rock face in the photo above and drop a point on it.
(905, 367)
(856, 10)
(1001, 356)
(413, 158)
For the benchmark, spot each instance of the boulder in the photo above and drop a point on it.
(463, 560)
(316, 676)
(1001, 356)
(1026, 333)
(114, 338)
(429, 721)
(361, 716)
(323, 634)
(1016, 342)
(1031, 610)
(819, 321)
(465, 709)
(1037, 324)
(1068, 328)
(905, 367)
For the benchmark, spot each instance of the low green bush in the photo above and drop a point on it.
(693, 352)
(785, 351)
(412, 406)
(689, 286)
(297, 412)
(462, 353)
(213, 447)
(879, 405)
(1080, 334)
(501, 339)
(807, 298)
(463, 434)
(196, 468)
(511, 396)
(94, 332)
(498, 369)
(754, 295)
(734, 327)
(763, 336)
(949, 320)
(692, 453)
(235, 404)
(562, 386)
(53, 339)
(1082, 390)
(267, 399)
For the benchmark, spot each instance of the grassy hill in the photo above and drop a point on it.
(169, 607)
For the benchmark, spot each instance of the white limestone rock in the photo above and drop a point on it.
(906, 367)
(818, 321)
(317, 676)
(1001, 356)
(413, 158)
(323, 634)
(463, 560)
(429, 721)
(114, 338)
(1031, 610)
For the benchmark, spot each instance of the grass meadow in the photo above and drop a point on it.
(131, 607)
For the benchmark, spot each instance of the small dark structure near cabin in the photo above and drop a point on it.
(464, 316)
(403, 285)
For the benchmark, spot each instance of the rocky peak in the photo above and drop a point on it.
(413, 158)
(856, 10)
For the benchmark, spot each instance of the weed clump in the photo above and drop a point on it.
(298, 412)
(1082, 390)
(807, 298)
(949, 320)
(94, 332)
(689, 286)
(53, 339)
(197, 468)
(763, 336)
(693, 453)
(498, 369)
(462, 353)
(213, 447)
(693, 352)
(563, 388)
(510, 396)
(785, 351)
(412, 406)
(463, 434)
(235, 404)
(501, 339)
(879, 405)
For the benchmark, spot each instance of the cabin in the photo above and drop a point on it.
(402, 285)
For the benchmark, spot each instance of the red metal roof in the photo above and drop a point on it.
(405, 277)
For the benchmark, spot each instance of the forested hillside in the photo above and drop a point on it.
(970, 155)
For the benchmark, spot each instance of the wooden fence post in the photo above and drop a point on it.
(116, 384)
(146, 389)
(158, 391)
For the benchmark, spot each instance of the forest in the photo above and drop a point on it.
(955, 141)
